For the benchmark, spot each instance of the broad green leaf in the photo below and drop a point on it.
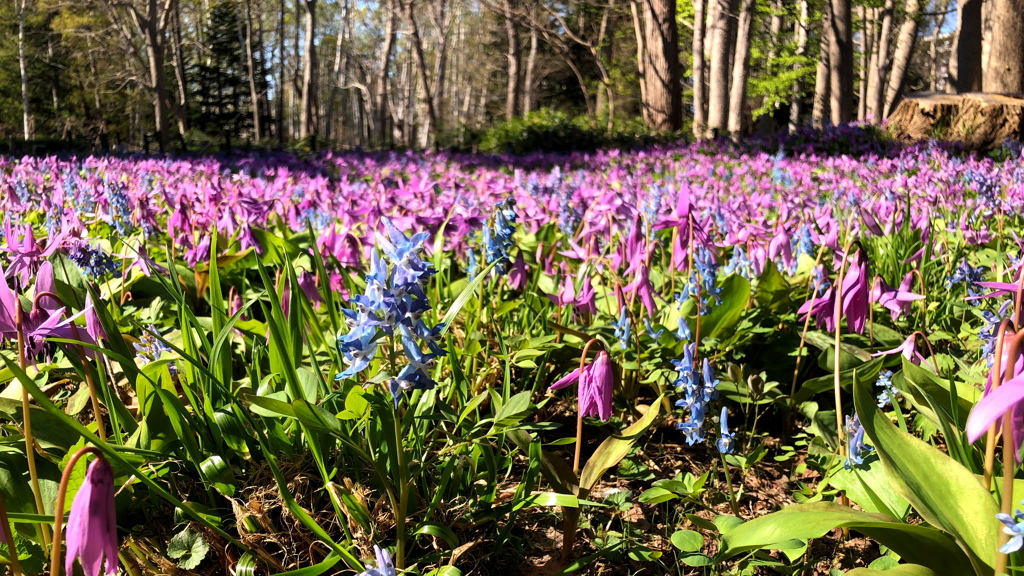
(901, 570)
(615, 448)
(942, 491)
(687, 540)
(735, 296)
(868, 486)
(919, 384)
(188, 548)
(867, 371)
(918, 544)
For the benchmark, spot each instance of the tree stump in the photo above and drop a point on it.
(980, 121)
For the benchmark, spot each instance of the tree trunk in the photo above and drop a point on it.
(822, 84)
(840, 58)
(901, 58)
(279, 96)
(307, 118)
(181, 105)
(640, 59)
(718, 81)
(426, 95)
(250, 61)
(880, 72)
(796, 102)
(700, 118)
(661, 40)
(531, 64)
(965, 54)
(866, 39)
(740, 68)
(382, 71)
(26, 115)
(1005, 70)
(933, 50)
(512, 55)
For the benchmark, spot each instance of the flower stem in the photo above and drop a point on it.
(8, 536)
(579, 411)
(30, 443)
(728, 483)
(403, 493)
(58, 508)
(997, 374)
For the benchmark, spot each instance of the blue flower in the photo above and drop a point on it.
(650, 330)
(1014, 526)
(855, 443)
(394, 302)
(623, 331)
(726, 440)
(889, 392)
(384, 567)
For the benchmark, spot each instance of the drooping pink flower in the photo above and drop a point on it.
(595, 386)
(896, 300)
(92, 524)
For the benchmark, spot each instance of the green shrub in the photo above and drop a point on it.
(555, 131)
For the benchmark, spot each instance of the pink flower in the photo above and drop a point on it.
(595, 387)
(897, 300)
(92, 524)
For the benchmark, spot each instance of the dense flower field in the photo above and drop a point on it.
(695, 359)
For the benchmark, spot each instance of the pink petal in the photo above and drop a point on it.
(992, 406)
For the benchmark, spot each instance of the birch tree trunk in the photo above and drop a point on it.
(26, 114)
(933, 50)
(700, 118)
(965, 55)
(281, 74)
(381, 81)
(531, 64)
(250, 62)
(796, 100)
(718, 81)
(661, 67)
(822, 83)
(901, 58)
(512, 55)
(880, 72)
(866, 38)
(1005, 70)
(640, 59)
(840, 58)
(740, 68)
(426, 94)
(307, 118)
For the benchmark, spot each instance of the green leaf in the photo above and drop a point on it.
(868, 486)
(901, 570)
(615, 448)
(735, 296)
(188, 548)
(687, 540)
(944, 493)
(920, 386)
(918, 544)
(867, 371)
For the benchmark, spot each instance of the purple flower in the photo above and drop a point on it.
(898, 300)
(595, 387)
(384, 565)
(991, 408)
(92, 525)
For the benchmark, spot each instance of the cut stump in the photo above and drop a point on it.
(980, 121)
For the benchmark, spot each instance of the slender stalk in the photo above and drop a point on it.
(1009, 457)
(30, 443)
(837, 382)
(12, 550)
(579, 411)
(997, 374)
(803, 335)
(403, 493)
(58, 514)
(924, 300)
(728, 483)
(86, 367)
